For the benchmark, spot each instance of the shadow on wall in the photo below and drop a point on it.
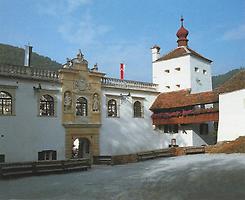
(126, 134)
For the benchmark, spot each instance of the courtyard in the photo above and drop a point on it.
(214, 176)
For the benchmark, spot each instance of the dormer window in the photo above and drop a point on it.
(196, 69)
(177, 68)
(167, 71)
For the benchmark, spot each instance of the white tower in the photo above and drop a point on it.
(181, 68)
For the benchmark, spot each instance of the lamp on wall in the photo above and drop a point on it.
(37, 88)
(125, 96)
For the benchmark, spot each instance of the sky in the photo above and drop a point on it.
(109, 32)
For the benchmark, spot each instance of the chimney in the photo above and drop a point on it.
(28, 52)
(155, 51)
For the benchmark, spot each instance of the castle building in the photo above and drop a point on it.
(80, 112)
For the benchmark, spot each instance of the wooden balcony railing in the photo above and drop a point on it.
(186, 117)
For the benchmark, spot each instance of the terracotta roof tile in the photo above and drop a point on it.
(181, 51)
(236, 82)
(183, 98)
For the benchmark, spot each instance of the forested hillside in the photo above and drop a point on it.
(222, 78)
(15, 56)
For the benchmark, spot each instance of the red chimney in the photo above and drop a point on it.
(121, 71)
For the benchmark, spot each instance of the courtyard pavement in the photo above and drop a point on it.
(197, 177)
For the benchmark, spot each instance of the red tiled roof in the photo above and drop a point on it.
(182, 51)
(183, 98)
(236, 82)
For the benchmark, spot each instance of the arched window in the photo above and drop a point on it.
(137, 109)
(112, 108)
(81, 107)
(5, 103)
(46, 105)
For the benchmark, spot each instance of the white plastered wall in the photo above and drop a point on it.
(174, 77)
(231, 115)
(126, 134)
(25, 134)
(201, 81)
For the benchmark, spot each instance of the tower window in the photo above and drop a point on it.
(82, 107)
(196, 69)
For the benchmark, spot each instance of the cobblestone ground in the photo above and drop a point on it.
(197, 177)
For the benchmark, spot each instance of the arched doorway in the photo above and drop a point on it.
(81, 148)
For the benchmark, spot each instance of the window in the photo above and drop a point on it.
(46, 105)
(47, 155)
(196, 69)
(137, 109)
(167, 86)
(82, 107)
(204, 71)
(178, 85)
(177, 68)
(202, 106)
(204, 129)
(112, 108)
(171, 128)
(167, 71)
(2, 158)
(5, 103)
(175, 128)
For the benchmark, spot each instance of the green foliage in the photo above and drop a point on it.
(222, 78)
(15, 56)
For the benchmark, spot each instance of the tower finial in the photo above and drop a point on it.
(182, 20)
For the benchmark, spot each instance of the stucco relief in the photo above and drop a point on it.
(81, 85)
(96, 103)
(67, 101)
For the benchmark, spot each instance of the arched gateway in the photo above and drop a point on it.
(81, 148)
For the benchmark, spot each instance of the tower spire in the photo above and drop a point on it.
(182, 34)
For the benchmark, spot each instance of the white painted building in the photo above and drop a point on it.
(232, 115)
(79, 112)
(25, 133)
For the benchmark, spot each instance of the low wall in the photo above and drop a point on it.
(13, 170)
